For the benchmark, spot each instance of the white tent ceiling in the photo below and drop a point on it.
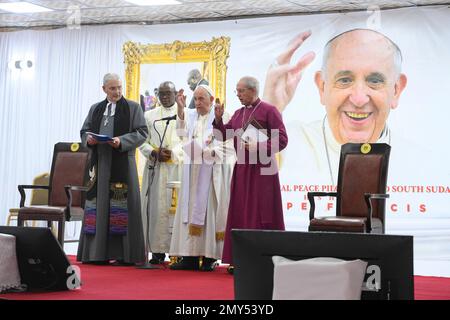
(67, 12)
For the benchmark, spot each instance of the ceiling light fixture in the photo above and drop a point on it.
(22, 7)
(153, 2)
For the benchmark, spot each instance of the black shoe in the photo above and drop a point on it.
(121, 263)
(186, 263)
(208, 264)
(157, 258)
(230, 269)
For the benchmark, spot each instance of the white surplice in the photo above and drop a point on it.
(204, 187)
(160, 219)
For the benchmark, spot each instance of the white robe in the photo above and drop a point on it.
(159, 228)
(209, 242)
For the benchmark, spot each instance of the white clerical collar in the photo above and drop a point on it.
(169, 109)
(113, 109)
(255, 104)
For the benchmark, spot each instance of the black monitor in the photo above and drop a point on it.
(43, 265)
(392, 254)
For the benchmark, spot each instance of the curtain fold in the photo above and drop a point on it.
(48, 103)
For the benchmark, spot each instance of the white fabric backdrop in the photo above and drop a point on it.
(49, 104)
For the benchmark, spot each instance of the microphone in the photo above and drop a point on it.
(174, 117)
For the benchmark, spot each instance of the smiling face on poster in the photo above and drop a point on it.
(359, 85)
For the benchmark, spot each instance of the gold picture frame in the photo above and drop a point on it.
(213, 54)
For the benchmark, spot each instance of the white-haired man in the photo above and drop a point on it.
(199, 226)
(255, 201)
(359, 84)
(112, 226)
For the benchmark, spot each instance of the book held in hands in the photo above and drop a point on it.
(100, 137)
(254, 132)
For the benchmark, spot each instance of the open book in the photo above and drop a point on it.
(254, 132)
(100, 137)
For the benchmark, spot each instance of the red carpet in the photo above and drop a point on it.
(130, 283)
(431, 288)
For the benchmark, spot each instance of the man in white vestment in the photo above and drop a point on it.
(162, 166)
(359, 84)
(200, 221)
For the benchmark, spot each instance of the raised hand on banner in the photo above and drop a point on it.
(282, 78)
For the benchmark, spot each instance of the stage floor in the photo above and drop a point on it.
(130, 283)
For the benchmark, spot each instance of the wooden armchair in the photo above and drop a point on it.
(68, 176)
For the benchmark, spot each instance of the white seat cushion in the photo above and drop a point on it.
(9, 270)
(317, 279)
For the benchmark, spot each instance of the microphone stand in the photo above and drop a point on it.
(147, 264)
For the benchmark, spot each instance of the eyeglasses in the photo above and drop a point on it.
(240, 90)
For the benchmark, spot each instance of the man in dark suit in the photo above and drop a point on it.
(195, 79)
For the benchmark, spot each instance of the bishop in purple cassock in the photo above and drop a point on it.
(255, 201)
